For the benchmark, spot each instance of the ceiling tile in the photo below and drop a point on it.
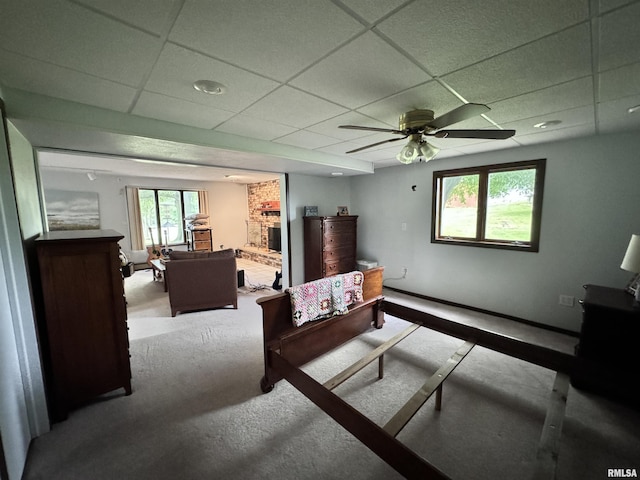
(620, 82)
(69, 35)
(557, 135)
(44, 78)
(303, 138)
(331, 127)
(554, 59)
(564, 96)
(620, 37)
(365, 70)
(430, 95)
(279, 37)
(606, 5)
(254, 128)
(569, 118)
(180, 111)
(372, 11)
(614, 117)
(177, 69)
(151, 15)
(454, 34)
(295, 108)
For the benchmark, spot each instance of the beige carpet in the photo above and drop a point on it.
(197, 411)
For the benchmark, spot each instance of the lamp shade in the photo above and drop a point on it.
(409, 152)
(631, 260)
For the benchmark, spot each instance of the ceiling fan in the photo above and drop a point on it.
(420, 123)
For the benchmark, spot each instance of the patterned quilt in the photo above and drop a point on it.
(325, 297)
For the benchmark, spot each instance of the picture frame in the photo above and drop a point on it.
(343, 211)
(311, 211)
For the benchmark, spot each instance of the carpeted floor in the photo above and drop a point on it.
(197, 411)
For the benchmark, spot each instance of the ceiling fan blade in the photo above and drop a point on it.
(488, 134)
(378, 143)
(459, 114)
(372, 129)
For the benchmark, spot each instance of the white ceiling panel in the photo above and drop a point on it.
(176, 110)
(255, 128)
(151, 15)
(178, 68)
(68, 35)
(295, 108)
(564, 96)
(360, 73)
(372, 12)
(49, 79)
(620, 82)
(555, 59)
(615, 117)
(620, 37)
(115, 77)
(303, 138)
(475, 30)
(267, 37)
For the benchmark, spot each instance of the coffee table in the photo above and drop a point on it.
(159, 272)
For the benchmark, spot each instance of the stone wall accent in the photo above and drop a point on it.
(257, 194)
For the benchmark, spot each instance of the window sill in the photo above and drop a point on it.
(518, 246)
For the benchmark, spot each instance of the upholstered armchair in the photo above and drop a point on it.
(201, 280)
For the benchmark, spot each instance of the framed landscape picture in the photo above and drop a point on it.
(68, 210)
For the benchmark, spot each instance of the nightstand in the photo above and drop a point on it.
(609, 336)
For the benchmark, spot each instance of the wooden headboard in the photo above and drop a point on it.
(300, 345)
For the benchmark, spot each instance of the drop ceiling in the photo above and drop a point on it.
(116, 77)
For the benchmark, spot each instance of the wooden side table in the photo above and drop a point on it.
(609, 336)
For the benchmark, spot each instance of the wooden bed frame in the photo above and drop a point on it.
(286, 348)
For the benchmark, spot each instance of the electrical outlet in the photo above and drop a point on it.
(403, 226)
(567, 300)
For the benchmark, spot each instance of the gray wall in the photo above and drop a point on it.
(327, 194)
(591, 207)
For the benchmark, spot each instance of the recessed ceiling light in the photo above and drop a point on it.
(210, 87)
(548, 123)
(633, 109)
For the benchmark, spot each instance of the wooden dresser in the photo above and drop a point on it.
(199, 240)
(329, 246)
(83, 334)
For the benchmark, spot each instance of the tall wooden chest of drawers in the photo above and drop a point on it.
(329, 246)
(199, 240)
(83, 334)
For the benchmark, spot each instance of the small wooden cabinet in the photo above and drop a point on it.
(609, 336)
(199, 240)
(83, 334)
(329, 246)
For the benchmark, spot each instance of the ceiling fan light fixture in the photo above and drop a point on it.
(409, 152)
(209, 87)
(428, 152)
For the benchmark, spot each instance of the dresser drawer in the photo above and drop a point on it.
(201, 235)
(338, 253)
(340, 266)
(333, 227)
(338, 240)
(202, 245)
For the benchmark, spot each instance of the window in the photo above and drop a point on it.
(162, 213)
(490, 206)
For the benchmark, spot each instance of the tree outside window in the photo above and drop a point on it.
(495, 205)
(162, 213)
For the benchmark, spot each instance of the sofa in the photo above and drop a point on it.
(201, 280)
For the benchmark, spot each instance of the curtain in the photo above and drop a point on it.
(203, 199)
(135, 219)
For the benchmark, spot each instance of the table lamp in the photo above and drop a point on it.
(631, 263)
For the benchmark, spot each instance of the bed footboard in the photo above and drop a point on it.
(300, 345)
